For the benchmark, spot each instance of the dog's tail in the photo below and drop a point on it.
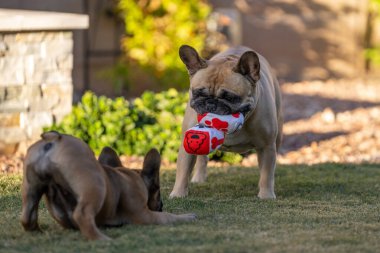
(51, 136)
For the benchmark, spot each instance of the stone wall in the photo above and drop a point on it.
(35, 84)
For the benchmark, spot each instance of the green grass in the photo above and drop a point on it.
(321, 208)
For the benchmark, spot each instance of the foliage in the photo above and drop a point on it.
(156, 29)
(320, 208)
(132, 128)
(372, 50)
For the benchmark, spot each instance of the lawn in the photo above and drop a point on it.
(320, 208)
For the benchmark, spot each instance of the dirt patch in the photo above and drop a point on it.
(333, 121)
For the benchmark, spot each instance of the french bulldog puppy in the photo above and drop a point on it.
(81, 193)
(150, 174)
(237, 80)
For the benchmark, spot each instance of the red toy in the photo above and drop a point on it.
(226, 123)
(202, 140)
(208, 135)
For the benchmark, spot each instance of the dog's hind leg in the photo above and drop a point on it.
(84, 216)
(32, 190)
(31, 196)
(200, 169)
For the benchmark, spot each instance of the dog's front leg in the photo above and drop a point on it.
(267, 164)
(200, 170)
(185, 164)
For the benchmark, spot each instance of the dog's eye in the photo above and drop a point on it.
(201, 92)
(232, 98)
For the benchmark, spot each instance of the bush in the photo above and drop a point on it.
(132, 128)
(156, 29)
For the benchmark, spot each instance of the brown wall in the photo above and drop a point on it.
(304, 39)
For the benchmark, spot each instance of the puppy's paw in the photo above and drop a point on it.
(188, 216)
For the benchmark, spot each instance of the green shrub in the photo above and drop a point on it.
(371, 46)
(156, 29)
(132, 128)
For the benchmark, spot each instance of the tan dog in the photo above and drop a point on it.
(237, 80)
(81, 193)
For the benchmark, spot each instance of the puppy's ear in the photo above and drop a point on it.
(151, 177)
(152, 163)
(51, 136)
(191, 59)
(109, 157)
(249, 66)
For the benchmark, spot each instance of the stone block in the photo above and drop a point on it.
(31, 124)
(10, 119)
(14, 98)
(34, 120)
(65, 104)
(12, 71)
(30, 36)
(65, 62)
(50, 36)
(49, 77)
(35, 98)
(8, 149)
(58, 47)
(35, 64)
(53, 98)
(12, 135)
(3, 48)
(9, 38)
(17, 48)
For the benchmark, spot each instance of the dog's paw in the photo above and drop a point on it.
(101, 237)
(188, 216)
(177, 194)
(265, 194)
(198, 178)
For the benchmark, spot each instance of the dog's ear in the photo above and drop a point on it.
(249, 66)
(152, 163)
(51, 136)
(191, 59)
(151, 177)
(109, 157)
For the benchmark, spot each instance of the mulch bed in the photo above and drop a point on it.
(332, 121)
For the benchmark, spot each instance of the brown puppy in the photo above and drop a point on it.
(150, 173)
(237, 80)
(81, 193)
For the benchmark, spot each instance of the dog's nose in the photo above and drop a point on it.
(211, 106)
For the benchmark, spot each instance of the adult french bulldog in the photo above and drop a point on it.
(237, 80)
(82, 193)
